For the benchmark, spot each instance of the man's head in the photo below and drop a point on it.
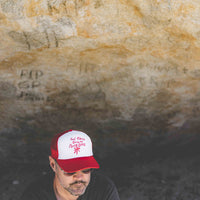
(72, 160)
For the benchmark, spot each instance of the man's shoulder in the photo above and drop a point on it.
(101, 187)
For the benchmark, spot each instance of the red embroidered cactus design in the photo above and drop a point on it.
(76, 150)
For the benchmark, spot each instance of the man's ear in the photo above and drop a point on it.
(52, 163)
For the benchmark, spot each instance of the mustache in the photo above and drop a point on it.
(78, 182)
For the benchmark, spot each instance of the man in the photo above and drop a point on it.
(72, 162)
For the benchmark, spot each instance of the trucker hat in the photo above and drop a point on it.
(72, 150)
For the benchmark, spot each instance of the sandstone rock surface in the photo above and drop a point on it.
(104, 66)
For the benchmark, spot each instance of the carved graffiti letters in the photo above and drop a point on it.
(30, 80)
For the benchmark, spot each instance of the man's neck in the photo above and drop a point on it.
(61, 193)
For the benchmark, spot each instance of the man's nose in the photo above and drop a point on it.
(78, 175)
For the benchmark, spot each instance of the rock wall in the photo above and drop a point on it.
(123, 68)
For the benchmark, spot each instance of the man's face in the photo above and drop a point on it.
(74, 183)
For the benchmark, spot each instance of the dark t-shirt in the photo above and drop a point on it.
(99, 188)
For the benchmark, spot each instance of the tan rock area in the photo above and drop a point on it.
(118, 67)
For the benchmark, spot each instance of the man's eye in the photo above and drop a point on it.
(86, 171)
(69, 174)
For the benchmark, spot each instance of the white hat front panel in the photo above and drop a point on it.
(74, 144)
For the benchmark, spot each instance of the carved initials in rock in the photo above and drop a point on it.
(30, 79)
(31, 74)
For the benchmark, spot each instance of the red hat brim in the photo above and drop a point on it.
(77, 164)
